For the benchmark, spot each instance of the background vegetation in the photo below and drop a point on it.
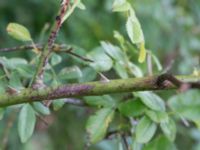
(172, 32)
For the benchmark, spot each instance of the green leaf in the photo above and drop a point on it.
(169, 129)
(152, 101)
(68, 13)
(113, 51)
(13, 63)
(48, 77)
(120, 6)
(81, 6)
(26, 71)
(15, 81)
(40, 108)
(2, 110)
(157, 62)
(119, 37)
(55, 59)
(26, 122)
(88, 74)
(145, 130)
(186, 105)
(135, 145)
(121, 69)
(136, 35)
(132, 108)
(134, 29)
(197, 123)
(105, 101)
(18, 32)
(97, 124)
(142, 54)
(3, 85)
(160, 143)
(58, 104)
(73, 72)
(102, 62)
(157, 116)
(135, 70)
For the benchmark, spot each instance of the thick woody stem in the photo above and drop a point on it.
(95, 88)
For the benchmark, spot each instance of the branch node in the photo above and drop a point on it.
(165, 79)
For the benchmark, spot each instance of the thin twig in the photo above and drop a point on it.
(125, 141)
(149, 65)
(48, 47)
(56, 48)
(19, 48)
(69, 51)
(43, 121)
(103, 78)
(110, 134)
(58, 24)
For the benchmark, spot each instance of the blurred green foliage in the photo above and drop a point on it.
(172, 32)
